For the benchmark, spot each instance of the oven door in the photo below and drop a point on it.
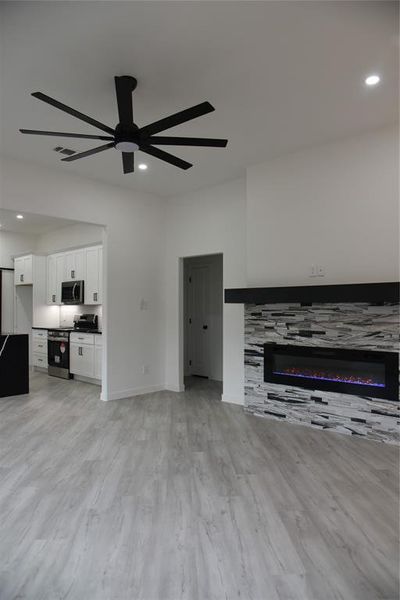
(72, 292)
(58, 357)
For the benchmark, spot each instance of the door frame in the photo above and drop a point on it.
(187, 338)
(181, 313)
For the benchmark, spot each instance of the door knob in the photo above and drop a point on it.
(205, 326)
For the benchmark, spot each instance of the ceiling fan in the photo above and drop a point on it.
(127, 136)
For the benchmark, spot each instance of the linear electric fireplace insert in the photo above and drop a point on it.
(357, 372)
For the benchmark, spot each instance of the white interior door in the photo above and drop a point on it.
(198, 314)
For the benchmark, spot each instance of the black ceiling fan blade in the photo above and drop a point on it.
(82, 136)
(73, 112)
(128, 162)
(124, 87)
(187, 141)
(177, 119)
(165, 156)
(88, 152)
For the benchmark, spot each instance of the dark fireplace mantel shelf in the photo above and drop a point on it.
(308, 294)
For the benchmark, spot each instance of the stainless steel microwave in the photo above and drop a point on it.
(72, 292)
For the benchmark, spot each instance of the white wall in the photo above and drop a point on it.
(15, 243)
(335, 205)
(210, 221)
(134, 244)
(72, 236)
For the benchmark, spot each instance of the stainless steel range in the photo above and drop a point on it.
(58, 353)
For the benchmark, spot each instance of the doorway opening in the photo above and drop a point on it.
(202, 320)
(53, 290)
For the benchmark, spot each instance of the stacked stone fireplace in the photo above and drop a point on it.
(356, 395)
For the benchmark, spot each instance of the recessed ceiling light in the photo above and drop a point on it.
(142, 167)
(372, 80)
(20, 216)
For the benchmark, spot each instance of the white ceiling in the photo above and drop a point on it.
(30, 224)
(281, 75)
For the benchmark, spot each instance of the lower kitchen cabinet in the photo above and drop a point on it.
(85, 355)
(81, 359)
(39, 348)
(39, 360)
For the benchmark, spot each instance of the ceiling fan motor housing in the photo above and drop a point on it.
(127, 138)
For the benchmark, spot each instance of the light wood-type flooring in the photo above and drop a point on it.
(182, 497)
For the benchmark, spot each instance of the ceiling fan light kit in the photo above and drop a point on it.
(127, 137)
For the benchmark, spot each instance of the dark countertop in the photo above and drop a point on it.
(11, 333)
(97, 331)
(70, 329)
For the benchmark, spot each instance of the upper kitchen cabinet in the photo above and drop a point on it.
(94, 275)
(56, 271)
(84, 264)
(23, 270)
(74, 265)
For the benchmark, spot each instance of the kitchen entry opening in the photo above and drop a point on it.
(358, 372)
(203, 306)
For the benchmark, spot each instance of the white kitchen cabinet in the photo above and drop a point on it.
(81, 359)
(39, 360)
(39, 334)
(55, 277)
(85, 264)
(94, 274)
(74, 265)
(51, 280)
(82, 338)
(23, 270)
(39, 348)
(86, 354)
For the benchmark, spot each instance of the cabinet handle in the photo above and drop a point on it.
(73, 274)
(79, 338)
(95, 297)
(21, 278)
(53, 298)
(80, 351)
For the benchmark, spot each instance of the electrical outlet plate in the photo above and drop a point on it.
(316, 271)
(313, 271)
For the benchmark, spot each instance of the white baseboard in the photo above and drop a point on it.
(171, 387)
(232, 400)
(87, 379)
(139, 391)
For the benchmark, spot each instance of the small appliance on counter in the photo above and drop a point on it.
(86, 322)
(72, 292)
